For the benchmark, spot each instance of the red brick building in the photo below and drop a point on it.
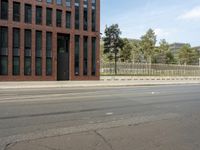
(49, 40)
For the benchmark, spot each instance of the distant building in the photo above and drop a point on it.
(175, 47)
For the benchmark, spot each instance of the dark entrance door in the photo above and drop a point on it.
(63, 56)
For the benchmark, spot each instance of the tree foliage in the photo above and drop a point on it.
(188, 55)
(148, 43)
(113, 43)
(125, 53)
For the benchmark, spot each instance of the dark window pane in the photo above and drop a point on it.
(77, 14)
(3, 65)
(16, 65)
(93, 56)
(4, 9)
(48, 53)
(16, 41)
(28, 13)
(68, 20)
(77, 45)
(85, 56)
(58, 18)
(85, 15)
(49, 17)
(38, 15)
(27, 53)
(93, 15)
(38, 66)
(48, 66)
(16, 11)
(4, 41)
(27, 66)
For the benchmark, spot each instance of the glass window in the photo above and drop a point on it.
(48, 53)
(68, 3)
(85, 55)
(59, 2)
(68, 20)
(38, 66)
(3, 51)
(16, 65)
(49, 16)
(93, 56)
(27, 66)
(77, 47)
(77, 14)
(4, 9)
(27, 52)
(85, 15)
(28, 13)
(38, 18)
(58, 18)
(16, 11)
(93, 15)
(49, 1)
(16, 47)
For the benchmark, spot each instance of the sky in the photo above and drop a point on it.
(173, 20)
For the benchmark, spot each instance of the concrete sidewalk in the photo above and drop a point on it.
(105, 81)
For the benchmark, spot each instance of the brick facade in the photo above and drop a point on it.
(55, 30)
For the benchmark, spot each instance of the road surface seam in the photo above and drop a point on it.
(104, 139)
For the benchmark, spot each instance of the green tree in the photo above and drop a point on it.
(148, 42)
(113, 43)
(136, 51)
(188, 55)
(125, 53)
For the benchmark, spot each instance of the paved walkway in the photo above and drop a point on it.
(105, 81)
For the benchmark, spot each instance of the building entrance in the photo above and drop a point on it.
(63, 44)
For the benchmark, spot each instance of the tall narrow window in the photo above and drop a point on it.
(49, 1)
(38, 51)
(59, 2)
(93, 15)
(76, 61)
(85, 15)
(3, 51)
(49, 16)
(16, 54)
(68, 19)
(85, 55)
(27, 52)
(68, 3)
(16, 11)
(48, 53)
(93, 56)
(58, 18)
(4, 9)
(28, 13)
(38, 18)
(77, 14)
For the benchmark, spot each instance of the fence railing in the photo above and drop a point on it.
(135, 69)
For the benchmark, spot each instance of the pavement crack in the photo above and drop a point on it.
(104, 139)
(8, 145)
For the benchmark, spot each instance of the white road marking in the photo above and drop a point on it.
(109, 113)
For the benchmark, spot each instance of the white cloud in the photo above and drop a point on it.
(161, 33)
(191, 14)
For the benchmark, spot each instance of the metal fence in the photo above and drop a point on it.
(134, 69)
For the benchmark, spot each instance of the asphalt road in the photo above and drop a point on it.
(51, 111)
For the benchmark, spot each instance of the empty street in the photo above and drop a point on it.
(114, 118)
